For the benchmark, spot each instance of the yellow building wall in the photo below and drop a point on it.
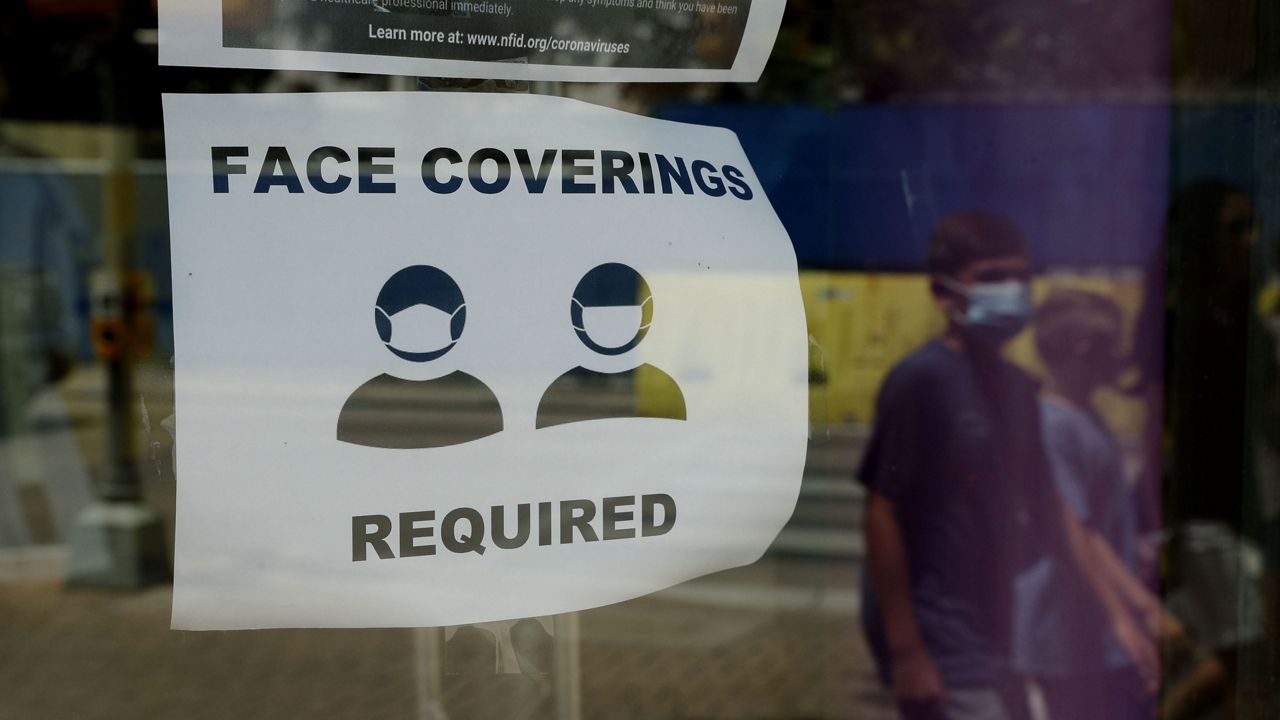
(861, 324)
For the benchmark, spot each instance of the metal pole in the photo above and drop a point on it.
(118, 542)
(568, 667)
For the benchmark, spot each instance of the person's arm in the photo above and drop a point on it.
(1136, 644)
(1135, 595)
(1200, 689)
(915, 677)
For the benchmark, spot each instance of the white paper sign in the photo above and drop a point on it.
(576, 40)
(451, 358)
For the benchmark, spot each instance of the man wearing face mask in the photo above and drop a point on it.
(419, 315)
(960, 498)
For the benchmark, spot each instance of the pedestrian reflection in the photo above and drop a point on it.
(1221, 518)
(1063, 640)
(961, 500)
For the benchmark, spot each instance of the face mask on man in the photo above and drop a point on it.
(611, 326)
(420, 330)
(996, 311)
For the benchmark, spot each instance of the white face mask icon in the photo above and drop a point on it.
(612, 326)
(421, 328)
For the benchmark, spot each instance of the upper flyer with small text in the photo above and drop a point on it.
(571, 40)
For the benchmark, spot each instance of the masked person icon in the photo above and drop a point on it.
(419, 315)
(610, 311)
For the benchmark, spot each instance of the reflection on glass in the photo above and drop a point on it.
(992, 556)
(1220, 538)
(1144, 453)
(42, 236)
(1064, 641)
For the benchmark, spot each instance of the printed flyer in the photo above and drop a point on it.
(584, 40)
(434, 367)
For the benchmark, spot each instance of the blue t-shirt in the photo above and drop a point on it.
(1060, 626)
(959, 453)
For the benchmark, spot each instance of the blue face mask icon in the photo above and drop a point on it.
(996, 311)
(613, 326)
(420, 313)
(420, 330)
(611, 309)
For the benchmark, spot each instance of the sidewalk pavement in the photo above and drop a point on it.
(778, 639)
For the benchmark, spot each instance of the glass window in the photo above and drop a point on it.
(1037, 254)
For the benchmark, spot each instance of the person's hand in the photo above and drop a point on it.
(1146, 606)
(1153, 619)
(916, 684)
(1141, 650)
(1173, 636)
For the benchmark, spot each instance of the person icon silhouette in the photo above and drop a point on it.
(610, 311)
(419, 315)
